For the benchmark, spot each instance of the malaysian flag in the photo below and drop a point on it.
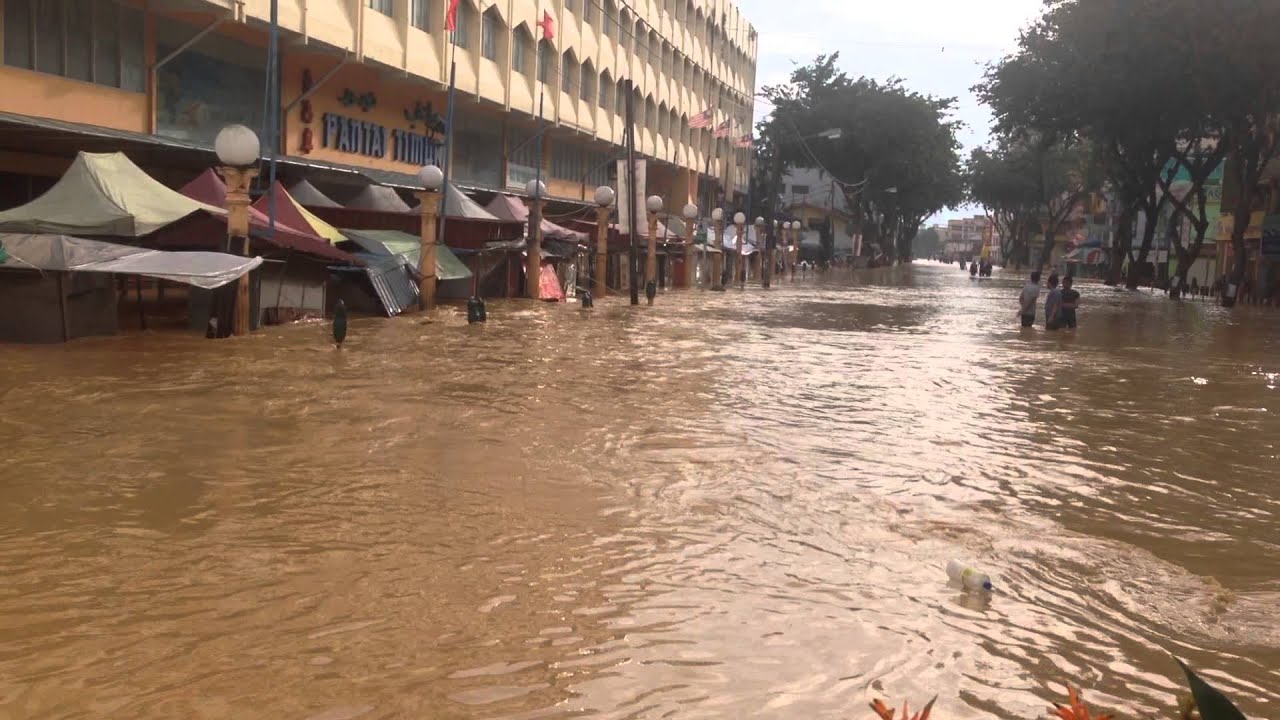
(701, 120)
(722, 130)
(744, 141)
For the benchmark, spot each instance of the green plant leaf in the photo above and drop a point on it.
(1212, 703)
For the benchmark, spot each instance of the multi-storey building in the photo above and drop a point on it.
(362, 88)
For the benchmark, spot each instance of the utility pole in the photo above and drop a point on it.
(630, 138)
(775, 189)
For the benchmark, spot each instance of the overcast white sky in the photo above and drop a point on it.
(936, 46)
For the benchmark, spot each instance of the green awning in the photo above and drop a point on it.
(394, 242)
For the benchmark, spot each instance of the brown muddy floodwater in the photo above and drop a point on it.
(728, 505)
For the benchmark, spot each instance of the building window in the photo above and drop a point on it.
(606, 84)
(461, 33)
(489, 36)
(89, 40)
(420, 14)
(568, 5)
(519, 46)
(800, 190)
(568, 73)
(620, 100)
(546, 61)
(588, 85)
(382, 6)
(588, 11)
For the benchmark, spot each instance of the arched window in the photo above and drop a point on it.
(588, 84)
(620, 98)
(466, 24)
(609, 23)
(664, 121)
(589, 11)
(522, 50)
(625, 30)
(569, 73)
(546, 61)
(606, 87)
(492, 34)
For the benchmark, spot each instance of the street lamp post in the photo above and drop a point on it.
(740, 220)
(717, 258)
(537, 192)
(237, 149)
(432, 179)
(794, 249)
(604, 202)
(654, 206)
(758, 261)
(690, 213)
(772, 258)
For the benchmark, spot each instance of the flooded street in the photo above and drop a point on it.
(728, 505)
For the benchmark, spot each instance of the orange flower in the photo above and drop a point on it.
(1078, 710)
(885, 713)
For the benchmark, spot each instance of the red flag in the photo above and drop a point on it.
(548, 25)
(722, 130)
(744, 141)
(701, 120)
(451, 17)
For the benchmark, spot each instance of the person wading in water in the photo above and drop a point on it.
(1027, 300)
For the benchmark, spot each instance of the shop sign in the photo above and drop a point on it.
(350, 135)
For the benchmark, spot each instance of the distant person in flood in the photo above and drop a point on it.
(1053, 305)
(1070, 301)
(973, 269)
(1027, 300)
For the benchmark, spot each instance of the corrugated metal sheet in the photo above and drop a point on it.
(391, 281)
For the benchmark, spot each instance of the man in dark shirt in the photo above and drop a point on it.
(1070, 301)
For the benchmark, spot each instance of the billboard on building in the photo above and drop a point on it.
(624, 210)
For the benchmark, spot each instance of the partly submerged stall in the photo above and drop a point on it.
(55, 287)
(104, 195)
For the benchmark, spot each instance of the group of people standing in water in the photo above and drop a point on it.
(979, 268)
(1059, 305)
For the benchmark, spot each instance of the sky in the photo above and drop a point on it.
(938, 47)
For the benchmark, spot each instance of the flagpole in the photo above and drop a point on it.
(448, 136)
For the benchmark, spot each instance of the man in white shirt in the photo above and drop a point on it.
(1027, 300)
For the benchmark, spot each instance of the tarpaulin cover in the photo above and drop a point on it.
(549, 283)
(512, 209)
(394, 242)
(294, 215)
(378, 198)
(61, 253)
(103, 194)
(460, 207)
(208, 188)
(308, 195)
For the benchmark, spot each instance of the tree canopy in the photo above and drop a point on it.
(895, 157)
(1158, 89)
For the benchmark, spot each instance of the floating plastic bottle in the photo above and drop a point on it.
(971, 578)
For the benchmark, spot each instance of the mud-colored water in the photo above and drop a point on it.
(728, 505)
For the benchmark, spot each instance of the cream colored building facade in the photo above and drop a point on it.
(186, 67)
(680, 56)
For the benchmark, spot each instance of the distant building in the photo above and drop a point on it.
(964, 238)
(814, 198)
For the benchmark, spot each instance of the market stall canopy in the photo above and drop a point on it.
(460, 207)
(378, 198)
(61, 253)
(308, 195)
(208, 188)
(512, 209)
(394, 242)
(291, 213)
(103, 194)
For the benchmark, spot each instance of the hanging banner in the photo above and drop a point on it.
(624, 210)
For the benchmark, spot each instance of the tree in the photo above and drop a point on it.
(1002, 180)
(896, 157)
(1156, 86)
(927, 242)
